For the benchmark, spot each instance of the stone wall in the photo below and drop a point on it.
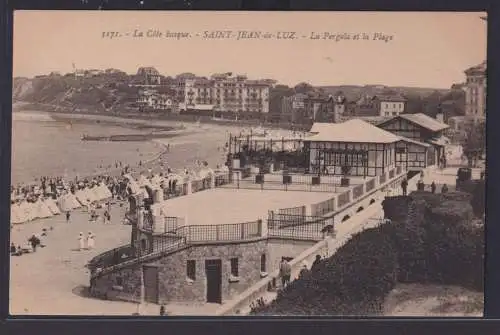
(125, 284)
(174, 285)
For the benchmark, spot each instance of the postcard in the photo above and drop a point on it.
(248, 163)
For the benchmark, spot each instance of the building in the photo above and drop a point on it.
(150, 100)
(148, 76)
(227, 93)
(389, 105)
(475, 90)
(363, 148)
(418, 130)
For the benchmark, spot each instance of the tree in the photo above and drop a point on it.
(303, 88)
(474, 144)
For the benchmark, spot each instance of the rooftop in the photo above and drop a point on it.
(425, 121)
(481, 68)
(354, 131)
(390, 98)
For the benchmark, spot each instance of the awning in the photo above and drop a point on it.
(440, 141)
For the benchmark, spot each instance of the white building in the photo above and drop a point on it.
(475, 90)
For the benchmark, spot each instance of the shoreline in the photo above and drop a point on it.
(138, 118)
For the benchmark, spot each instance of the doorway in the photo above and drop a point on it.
(213, 268)
(150, 283)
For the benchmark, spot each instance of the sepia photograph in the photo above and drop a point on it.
(204, 163)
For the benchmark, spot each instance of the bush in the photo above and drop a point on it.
(353, 281)
(433, 243)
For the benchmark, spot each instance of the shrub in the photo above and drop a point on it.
(353, 281)
(433, 242)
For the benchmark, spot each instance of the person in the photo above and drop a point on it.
(90, 240)
(422, 174)
(444, 189)
(13, 249)
(34, 241)
(81, 241)
(285, 272)
(162, 310)
(421, 185)
(68, 216)
(404, 186)
(433, 187)
(105, 216)
(316, 261)
(303, 270)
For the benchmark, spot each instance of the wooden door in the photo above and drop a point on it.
(213, 268)
(150, 284)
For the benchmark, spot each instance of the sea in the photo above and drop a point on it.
(43, 146)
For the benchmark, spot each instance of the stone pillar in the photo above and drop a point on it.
(212, 180)
(308, 210)
(263, 228)
(158, 222)
(189, 188)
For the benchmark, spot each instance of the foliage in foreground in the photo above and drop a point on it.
(433, 243)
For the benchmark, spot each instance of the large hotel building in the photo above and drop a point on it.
(475, 91)
(224, 93)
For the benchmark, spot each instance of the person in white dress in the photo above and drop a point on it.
(90, 240)
(81, 241)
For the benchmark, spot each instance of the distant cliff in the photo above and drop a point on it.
(98, 93)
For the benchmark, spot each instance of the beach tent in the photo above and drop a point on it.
(103, 192)
(90, 192)
(52, 206)
(41, 209)
(25, 211)
(82, 197)
(67, 202)
(134, 186)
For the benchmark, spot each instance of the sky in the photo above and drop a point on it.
(403, 48)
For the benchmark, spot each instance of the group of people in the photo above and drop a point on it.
(421, 185)
(285, 270)
(86, 243)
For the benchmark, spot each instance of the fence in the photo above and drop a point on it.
(383, 178)
(343, 199)
(392, 173)
(370, 185)
(299, 211)
(200, 185)
(279, 182)
(323, 207)
(111, 258)
(357, 191)
(297, 226)
(172, 223)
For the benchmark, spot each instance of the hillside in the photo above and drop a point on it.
(101, 93)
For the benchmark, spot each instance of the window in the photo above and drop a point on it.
(191, 269)
(234, 267)
(263, 263)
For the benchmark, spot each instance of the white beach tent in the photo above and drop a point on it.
(82, 197)
(132, 183)
(52, 206)
(90, 192)
(68, 202)
(41, 209)
(104, 192)
(25, 211)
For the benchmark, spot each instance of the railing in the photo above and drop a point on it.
(382, 178)
(173, 223)
(392, 173)
(200, 185)
(280, 182)
(357, 191)
(343, 199)
(323, 207)
(298, 226)
(370, 185)
(399, 169)
(300, 210)
(171, 241)
(111, 257)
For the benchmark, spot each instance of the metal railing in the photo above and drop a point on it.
(298, 226)
(111, 258)
(323, 207)
(299, 210)
(343, 199)
(370, 185)
(392, 173)
(382, 179)
(280, 182)
(357, 191)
